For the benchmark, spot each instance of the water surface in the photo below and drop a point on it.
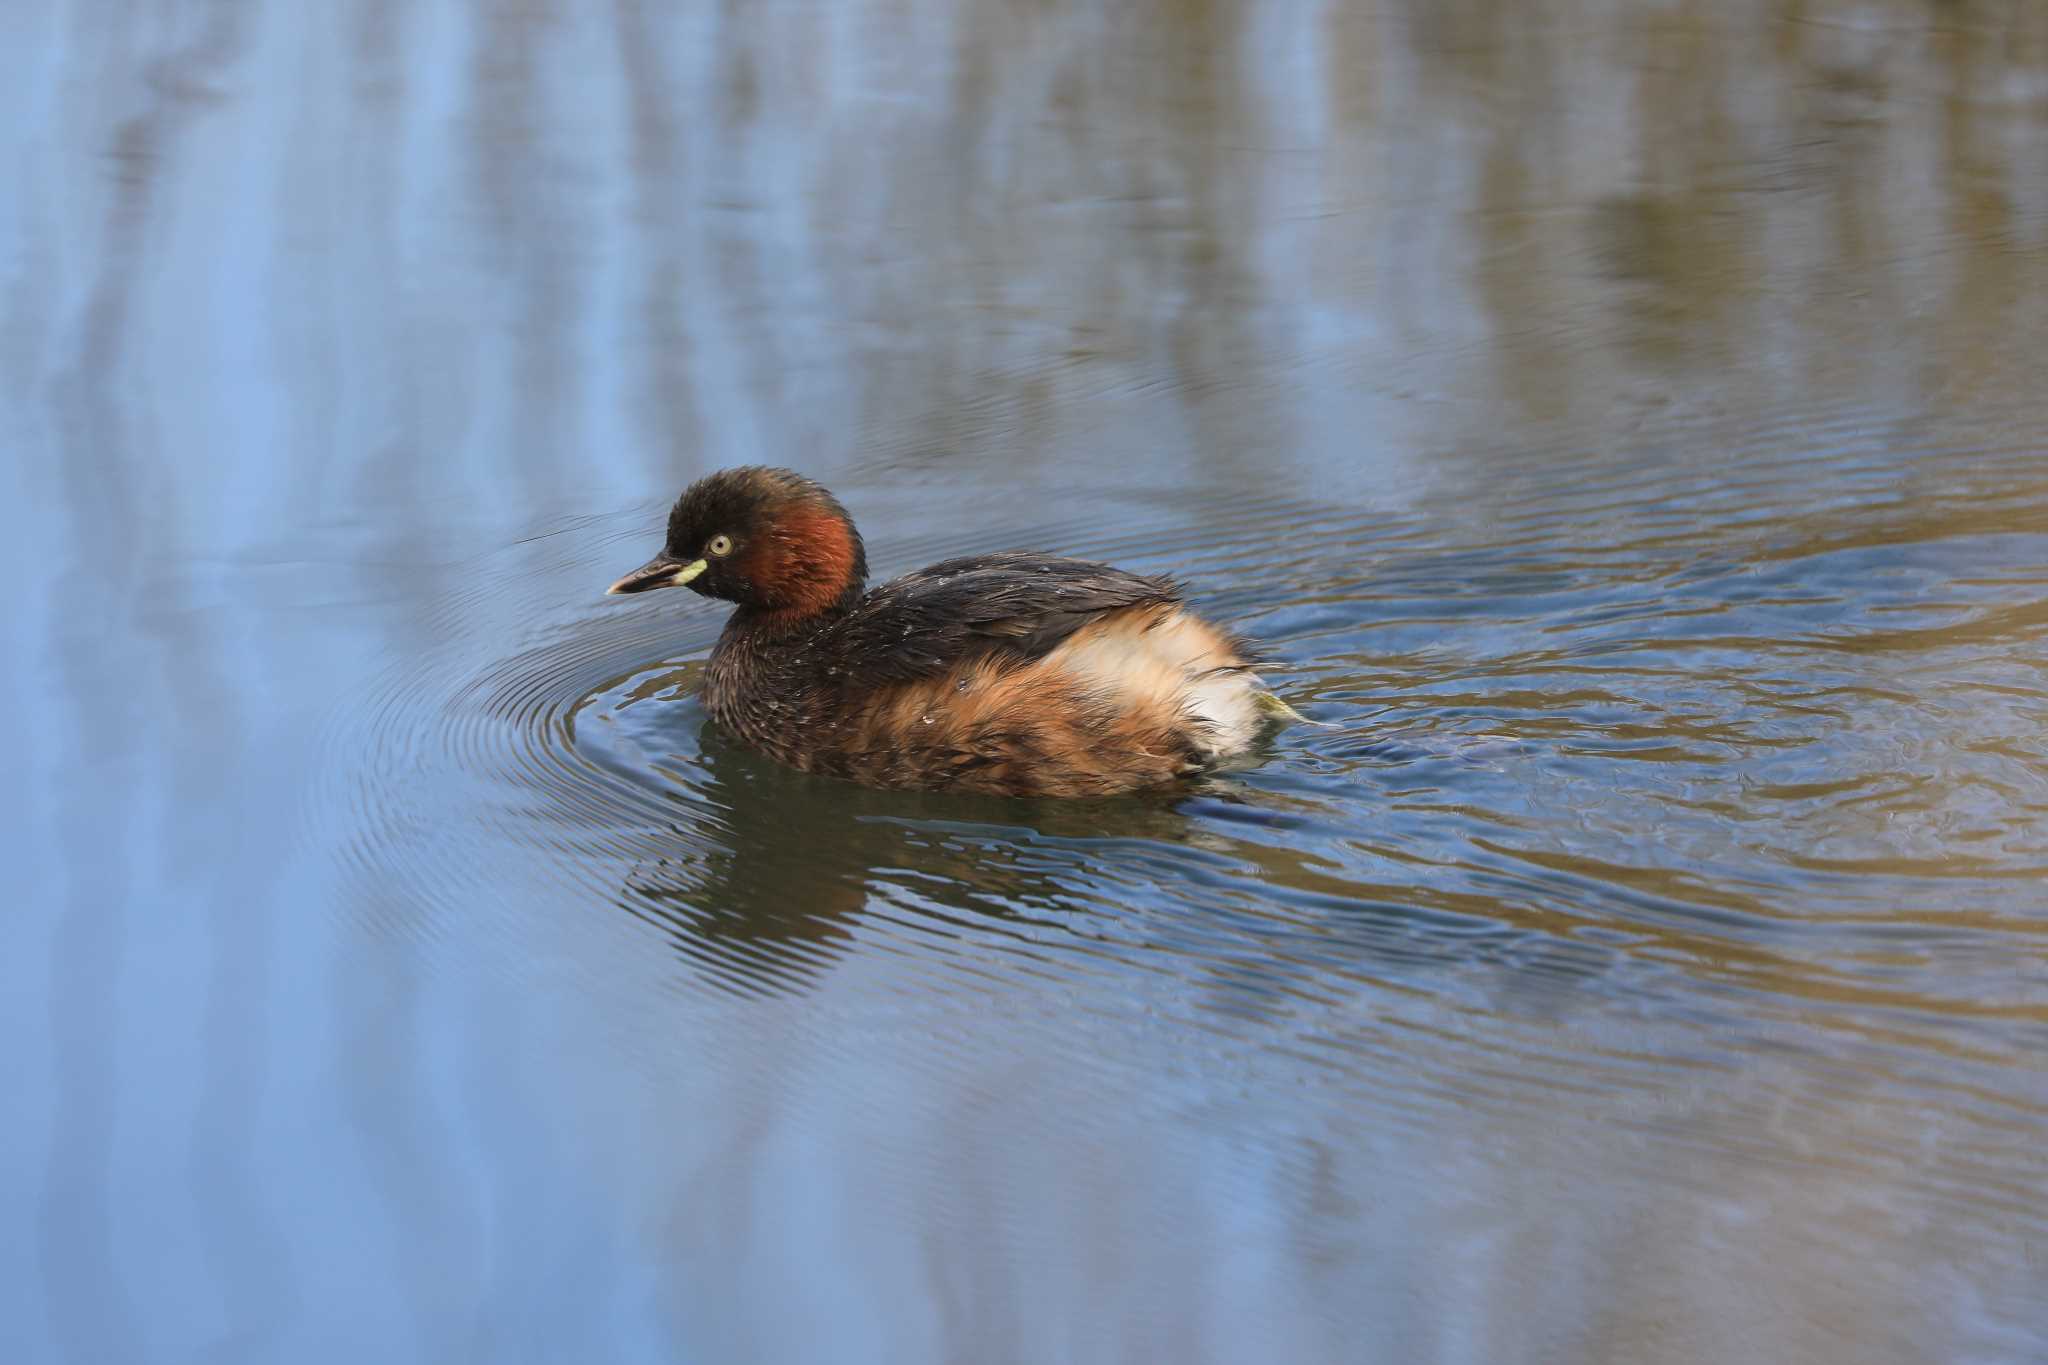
(1620, 424)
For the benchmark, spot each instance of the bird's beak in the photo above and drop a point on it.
(658, 572)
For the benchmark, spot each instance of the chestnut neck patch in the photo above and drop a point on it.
(810, 559)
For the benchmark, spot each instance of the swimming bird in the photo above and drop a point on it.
(1015, 674)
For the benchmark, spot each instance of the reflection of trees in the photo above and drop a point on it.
(1200, 232)
(1554, 204)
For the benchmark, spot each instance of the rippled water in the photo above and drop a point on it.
(1621, 427)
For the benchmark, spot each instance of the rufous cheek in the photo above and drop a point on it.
(812, 554)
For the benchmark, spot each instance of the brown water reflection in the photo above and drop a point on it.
(1621, 422)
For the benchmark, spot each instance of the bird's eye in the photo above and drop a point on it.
(719, 545)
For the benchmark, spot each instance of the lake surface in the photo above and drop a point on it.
(1622, 424)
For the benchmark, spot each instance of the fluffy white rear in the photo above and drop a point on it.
(1167, 657)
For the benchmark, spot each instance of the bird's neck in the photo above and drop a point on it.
(795, 621)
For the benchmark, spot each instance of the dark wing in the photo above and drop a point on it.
(1018, 605)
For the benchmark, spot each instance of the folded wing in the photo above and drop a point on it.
(1009, 606)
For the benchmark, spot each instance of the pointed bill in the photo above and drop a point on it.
(658, 572)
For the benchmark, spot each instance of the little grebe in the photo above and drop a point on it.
(1014, 674)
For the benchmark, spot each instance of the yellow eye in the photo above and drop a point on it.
(719, 545)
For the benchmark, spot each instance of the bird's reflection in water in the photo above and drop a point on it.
(764, 877)
(764, 874)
